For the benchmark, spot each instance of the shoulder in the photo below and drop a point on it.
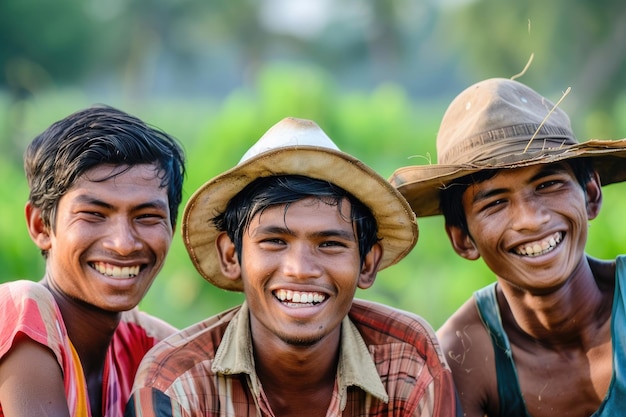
(186, 349)
(22, 300)
(384, 326)
(380, 320)
(407, 356)
(24, 289)
(469, 351)
(461, 330)
(152, 327)
(606, 271)
(29, 310)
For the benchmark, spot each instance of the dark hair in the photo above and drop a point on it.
(98, 135)
(266, 192)
(451, 195)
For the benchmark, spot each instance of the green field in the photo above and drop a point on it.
(383, 128)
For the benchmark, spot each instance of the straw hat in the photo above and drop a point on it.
(500, 123)
(295, 147)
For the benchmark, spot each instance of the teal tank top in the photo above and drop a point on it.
(511, 400)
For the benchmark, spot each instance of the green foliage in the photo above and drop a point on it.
(384, 128)
(575, 43)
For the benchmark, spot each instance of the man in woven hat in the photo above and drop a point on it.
(548, 338)
(297, 226)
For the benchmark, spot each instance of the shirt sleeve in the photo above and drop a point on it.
(28, 310)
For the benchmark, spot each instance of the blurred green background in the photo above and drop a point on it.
(375, 75)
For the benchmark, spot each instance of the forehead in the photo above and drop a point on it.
(311, 209)
(124, 173)
(120, 182)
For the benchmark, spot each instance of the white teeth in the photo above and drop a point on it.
(298, 297)
(540, 248)
(116, 271)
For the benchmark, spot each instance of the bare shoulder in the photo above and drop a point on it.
(31, 381)
(603, 271)
(469, 352)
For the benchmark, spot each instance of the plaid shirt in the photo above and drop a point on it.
(390, 364)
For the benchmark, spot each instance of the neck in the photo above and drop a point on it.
(572, 314)
(90, 329)
(295, 367)
(298, 378)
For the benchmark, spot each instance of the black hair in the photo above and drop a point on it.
(266, 192)
(98, 135)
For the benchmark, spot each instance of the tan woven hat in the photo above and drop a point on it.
(500, 123)
(295, 147)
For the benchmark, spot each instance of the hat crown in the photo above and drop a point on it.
(496, 119)
(501, 124)
(290, 132)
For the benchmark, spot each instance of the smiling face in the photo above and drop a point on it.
(300, 268)
(110, 239)
(528, 224)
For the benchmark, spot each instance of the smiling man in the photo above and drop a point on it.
(104, 195)
(297, 226)
(517, 189)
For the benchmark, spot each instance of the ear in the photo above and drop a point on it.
(367, 276)
(229, 262)
(593, 194)
(36, 229)
(462, 243)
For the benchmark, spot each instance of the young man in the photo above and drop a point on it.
(297, 226)
(104, 195)
(548, 338)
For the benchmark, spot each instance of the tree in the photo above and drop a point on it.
(575, 43)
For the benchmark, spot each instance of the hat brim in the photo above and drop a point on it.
(397, 227)
(421, 184)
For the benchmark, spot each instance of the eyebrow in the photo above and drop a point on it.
(85, 199)
(342, 234)
(482, 195)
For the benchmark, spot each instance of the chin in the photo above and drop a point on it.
(302, 341)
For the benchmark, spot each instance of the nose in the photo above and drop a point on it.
(301, 262)
(122, 237)
(529, 214)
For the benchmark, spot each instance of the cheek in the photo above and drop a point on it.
(157, 236)
(258, 268)
(345, 273)
(482, 230)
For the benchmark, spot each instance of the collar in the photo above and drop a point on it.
(355, 368)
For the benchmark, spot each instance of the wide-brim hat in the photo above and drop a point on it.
(497, 124)
(295, 147)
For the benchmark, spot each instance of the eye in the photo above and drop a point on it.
(151, 218)
(271, 243)
(332, 243)
(91, 215)
(492, 205)
(497, 202)
(549, 184)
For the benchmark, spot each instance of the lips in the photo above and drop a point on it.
(540, 247)
(115, 271)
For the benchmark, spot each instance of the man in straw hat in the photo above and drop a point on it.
(548, 337)
(297, 226)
